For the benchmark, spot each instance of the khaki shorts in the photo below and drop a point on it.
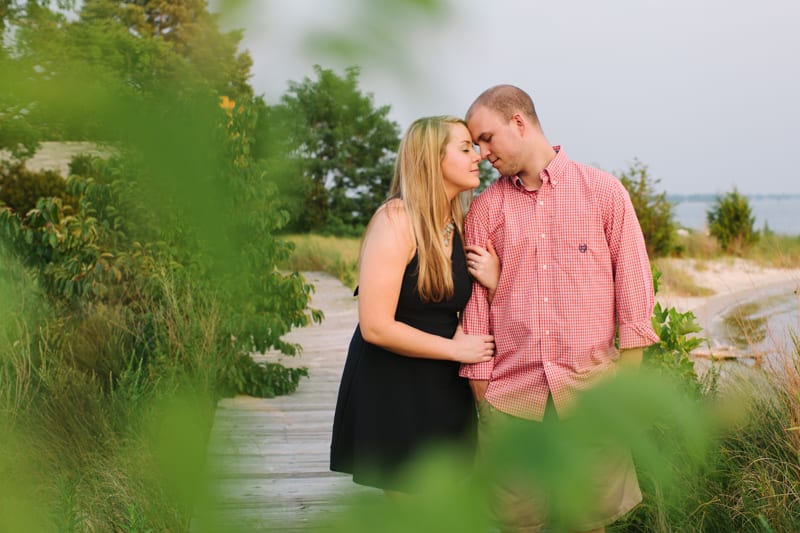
(613, 486)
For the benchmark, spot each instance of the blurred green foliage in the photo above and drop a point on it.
(134, 291)
(131, 298)
(554, 457)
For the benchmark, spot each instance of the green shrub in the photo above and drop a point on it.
(677, 334)
(730, 221)
(20, 188)
(82, 165)
(137, 278)
(653, 210)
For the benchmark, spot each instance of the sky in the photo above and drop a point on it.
(703, 92)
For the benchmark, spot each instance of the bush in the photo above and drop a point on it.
(147, 317)
(730, 221)
(132, 262)
(20, 188)
(653, 210)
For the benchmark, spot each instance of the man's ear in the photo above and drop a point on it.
(519, 123)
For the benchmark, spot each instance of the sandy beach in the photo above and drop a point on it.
(733, 281)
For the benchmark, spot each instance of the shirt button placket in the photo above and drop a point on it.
(543, 220)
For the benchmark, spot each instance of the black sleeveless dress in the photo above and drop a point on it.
(390, 406)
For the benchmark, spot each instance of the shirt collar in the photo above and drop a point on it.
(553, 172)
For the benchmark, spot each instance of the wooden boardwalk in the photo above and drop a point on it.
(269, 456)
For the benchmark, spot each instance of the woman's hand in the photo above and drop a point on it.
(484, 265)
(472, 348)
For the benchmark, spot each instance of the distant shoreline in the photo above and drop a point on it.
(776, 212)
(710, 197)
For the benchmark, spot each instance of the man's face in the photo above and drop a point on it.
(497, 139)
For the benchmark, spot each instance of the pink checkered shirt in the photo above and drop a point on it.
(574, 268)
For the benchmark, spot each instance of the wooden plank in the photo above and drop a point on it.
(268, 457)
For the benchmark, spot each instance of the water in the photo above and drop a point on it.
(761, 324)
(781, 213)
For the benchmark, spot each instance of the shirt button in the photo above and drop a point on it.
(545, 299)
(544, 267)
(541, 202)
(547, 332)
(542, 235)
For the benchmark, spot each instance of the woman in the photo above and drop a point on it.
(400, 390)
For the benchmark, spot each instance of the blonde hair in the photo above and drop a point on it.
(418, 180)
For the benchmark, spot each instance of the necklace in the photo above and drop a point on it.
(448, 231)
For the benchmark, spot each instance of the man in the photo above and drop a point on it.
(575, 273)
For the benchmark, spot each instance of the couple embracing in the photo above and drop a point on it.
(474, 316)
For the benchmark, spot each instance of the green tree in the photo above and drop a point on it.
(17, 135)
(731, 222)
(184, 198)
(187, 29)
(341, 147)
(652, 208)
(114, 49)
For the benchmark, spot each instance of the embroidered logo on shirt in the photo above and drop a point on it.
(582, 248)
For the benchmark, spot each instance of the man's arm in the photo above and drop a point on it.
(633, 279)
(475, 317)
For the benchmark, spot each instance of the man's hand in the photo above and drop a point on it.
(630, 359)
(479, 387)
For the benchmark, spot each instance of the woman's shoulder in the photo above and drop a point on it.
(391, 221)
(392, 213)
(392, 206)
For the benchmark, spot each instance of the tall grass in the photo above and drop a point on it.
(771, 249)
(698, 244)
(79, 453)
(754, 475)
(676, 280)
(774, 250)
(337, 256)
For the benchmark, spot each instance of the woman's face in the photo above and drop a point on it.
(460, 162)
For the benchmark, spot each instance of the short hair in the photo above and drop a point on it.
(505, 100)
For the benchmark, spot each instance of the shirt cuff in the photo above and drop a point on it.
(637, 335)
(477, 371)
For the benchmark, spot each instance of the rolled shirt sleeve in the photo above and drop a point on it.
(633, 278)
